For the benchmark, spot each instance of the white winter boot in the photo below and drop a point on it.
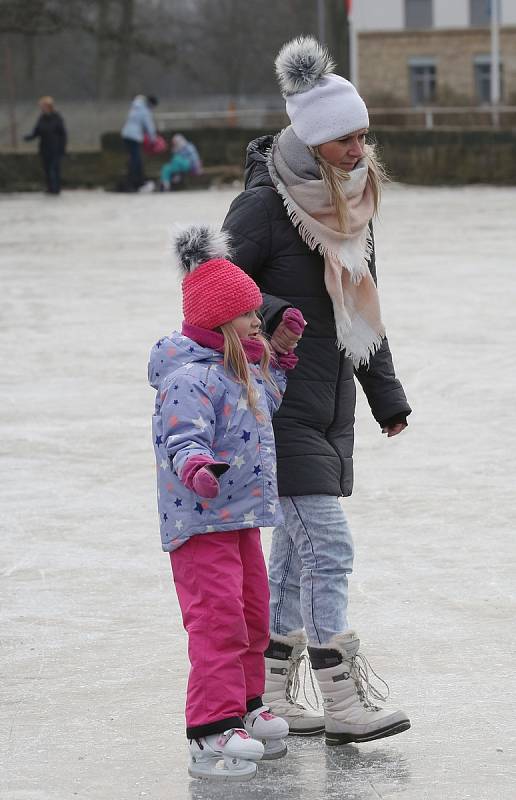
(283, 659)
(268, 729)
(343, 677)
(229, 756)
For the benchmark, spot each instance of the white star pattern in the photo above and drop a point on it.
(273, 468)
(268, 450)
(238, 462)
(188, 366)
(200, 423)
(163, 463)
(249, 517)
(272, 507)
(179, 524)
(242, 404)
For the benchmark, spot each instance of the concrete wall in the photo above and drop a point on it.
(419, 157)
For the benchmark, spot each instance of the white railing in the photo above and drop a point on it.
(427, 117)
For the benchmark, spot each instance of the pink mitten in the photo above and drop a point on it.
(286, 360)
(205, 484)
(293, 319)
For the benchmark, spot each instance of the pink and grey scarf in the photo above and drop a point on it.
(349, 283)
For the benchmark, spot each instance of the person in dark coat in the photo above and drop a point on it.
(302, 228)
(51, 132)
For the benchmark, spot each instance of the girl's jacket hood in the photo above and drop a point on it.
(173, 352)
(201, 410)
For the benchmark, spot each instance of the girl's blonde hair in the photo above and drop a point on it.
(235, 360)
(334, 177)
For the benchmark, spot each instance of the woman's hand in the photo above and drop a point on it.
(393, 430)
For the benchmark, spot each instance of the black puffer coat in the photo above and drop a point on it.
(314, 426)
(51, 132)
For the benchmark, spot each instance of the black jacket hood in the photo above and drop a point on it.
(256, 172)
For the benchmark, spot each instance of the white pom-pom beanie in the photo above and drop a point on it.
(321, 106)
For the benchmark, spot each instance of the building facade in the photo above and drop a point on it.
(432, 52)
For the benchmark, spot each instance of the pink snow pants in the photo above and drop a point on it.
(223, 591)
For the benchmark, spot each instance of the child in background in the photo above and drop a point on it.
(218, 384)
(185, 160)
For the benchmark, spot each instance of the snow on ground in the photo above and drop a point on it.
(93, 656)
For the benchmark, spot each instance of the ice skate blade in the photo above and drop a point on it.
(333, 739)
(316, 731)
(223, 770)
(274, 749)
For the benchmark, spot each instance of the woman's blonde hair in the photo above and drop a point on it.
(334, 177)
(235, 360)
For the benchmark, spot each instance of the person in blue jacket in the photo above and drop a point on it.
(217, 383)
(138, 123)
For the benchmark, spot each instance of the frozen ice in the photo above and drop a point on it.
(93, 655)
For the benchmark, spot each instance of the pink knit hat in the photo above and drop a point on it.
(215, 290)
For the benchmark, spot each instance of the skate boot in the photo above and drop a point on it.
(283, 659)
(270, 730)
(229, 756)
(343, 677)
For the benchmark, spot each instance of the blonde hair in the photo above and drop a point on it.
(46, 100)
(334, 177)
(235, 360)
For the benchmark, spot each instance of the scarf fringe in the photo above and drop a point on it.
(358, 340)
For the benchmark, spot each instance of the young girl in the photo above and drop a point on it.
(218, 384)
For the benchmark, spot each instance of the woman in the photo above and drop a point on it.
(50, 131)
(139, 123)
(185, 160)
(303, 229)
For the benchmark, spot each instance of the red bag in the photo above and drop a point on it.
(154, 146)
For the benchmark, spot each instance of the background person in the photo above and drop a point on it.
(185, 160)
(51, 132)
(302, 228)
(138, 123)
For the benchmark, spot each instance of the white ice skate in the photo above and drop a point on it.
(270, 730)
(228, 756)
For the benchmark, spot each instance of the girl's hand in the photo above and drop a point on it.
(289, 331)
(205, 484)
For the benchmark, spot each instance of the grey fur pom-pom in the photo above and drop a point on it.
(301, 63)
(197, 244)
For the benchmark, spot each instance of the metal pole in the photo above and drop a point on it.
(495, 60)
(353, 50)
(11, 94)
(321, 20)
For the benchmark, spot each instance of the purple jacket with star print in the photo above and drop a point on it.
(201, 410)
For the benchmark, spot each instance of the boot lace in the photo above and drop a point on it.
(294, 683)
(366, 689)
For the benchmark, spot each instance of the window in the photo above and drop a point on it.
(422, 73)
(480, 12)
(482, 74)
(418, 14)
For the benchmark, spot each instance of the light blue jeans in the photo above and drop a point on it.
(311, 558)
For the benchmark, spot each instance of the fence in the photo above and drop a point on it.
(426, 118)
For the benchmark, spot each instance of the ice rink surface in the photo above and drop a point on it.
(93, 655)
